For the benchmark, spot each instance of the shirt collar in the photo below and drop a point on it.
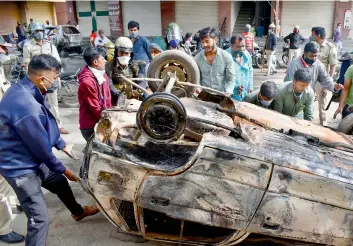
(33, 89)
(324, 43)
(217, 52)
(305, 64)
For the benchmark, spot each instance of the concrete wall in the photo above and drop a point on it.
(224, 11)
(167, 14)
(65, 12)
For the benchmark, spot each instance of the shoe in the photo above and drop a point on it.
(63, 131)
(87, 211)
(19, 208)
(275, 71)
(12, 237)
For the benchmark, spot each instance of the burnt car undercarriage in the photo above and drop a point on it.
(195, 172)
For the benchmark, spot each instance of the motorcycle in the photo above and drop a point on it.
(257, 57)
(285, 56)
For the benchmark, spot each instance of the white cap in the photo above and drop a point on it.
(272, 25)
(248, 26)
(296, 27)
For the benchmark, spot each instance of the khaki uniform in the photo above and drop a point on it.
(31, 49)
(129, 71)
(328, 56)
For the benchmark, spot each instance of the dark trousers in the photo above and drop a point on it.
(87, 133)
(345, 111)
(29, 193)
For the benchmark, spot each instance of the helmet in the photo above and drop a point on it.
(174, 34)
(272, 26)
(124, 44)
(37, 27)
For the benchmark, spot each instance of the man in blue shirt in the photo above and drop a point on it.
(28, 132)
(141, 48)
(243, 68)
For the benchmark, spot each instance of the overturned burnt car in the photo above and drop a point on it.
(197, 172)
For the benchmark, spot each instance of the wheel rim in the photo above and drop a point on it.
(182, 72)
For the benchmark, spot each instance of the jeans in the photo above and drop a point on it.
(345, 111)
(87, 133)
(28, 190)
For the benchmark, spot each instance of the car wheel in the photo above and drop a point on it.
(80, 51)
(346, 125)
(179, 62)
(63, 53)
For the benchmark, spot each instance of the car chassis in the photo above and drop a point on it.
(187, 171)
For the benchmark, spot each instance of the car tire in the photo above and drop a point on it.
(346, 125)
(63, 53)
(187, 62)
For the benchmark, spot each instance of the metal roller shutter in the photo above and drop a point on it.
(146, 13)
(40, 11)
(193, 16)
(9, 15)
(307, 15)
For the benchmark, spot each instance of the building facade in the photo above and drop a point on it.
(228, 16)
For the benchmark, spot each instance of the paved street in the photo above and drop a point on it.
(95, 230)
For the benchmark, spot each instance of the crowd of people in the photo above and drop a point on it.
(31, 125)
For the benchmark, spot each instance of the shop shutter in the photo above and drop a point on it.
(195, 15)
(9, 15)
(307, 15)
(146, 13)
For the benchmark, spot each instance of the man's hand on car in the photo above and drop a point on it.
(338, 87)
(240, 89)
(70, 175)
(68, 150)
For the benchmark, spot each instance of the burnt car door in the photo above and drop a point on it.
(221, 189)
(310, 194)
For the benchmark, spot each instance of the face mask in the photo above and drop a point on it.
(238, 53)
(266, 103)
(174, 43)
(309, 61)
(124, 60)
(134, 34)
(270, 31)
(297, 94)
(42, 83)
(247, 29)
(39, 35)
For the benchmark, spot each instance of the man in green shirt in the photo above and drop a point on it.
(296, 96)
(264, 96)
(346, 99)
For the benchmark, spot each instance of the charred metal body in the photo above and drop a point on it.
(201, 173)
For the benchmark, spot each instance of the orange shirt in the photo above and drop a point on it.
(249, 41)
(92, 37)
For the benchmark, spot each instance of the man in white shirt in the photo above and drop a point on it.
(101, 40)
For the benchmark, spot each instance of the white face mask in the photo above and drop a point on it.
(124, 60)
(266, 103)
